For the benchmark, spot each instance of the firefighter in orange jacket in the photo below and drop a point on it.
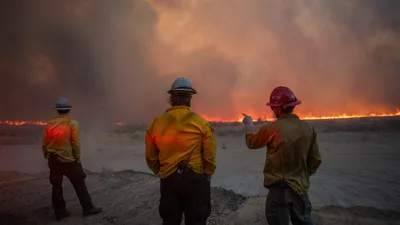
(292, 157)
(61, 147)
(181, 149)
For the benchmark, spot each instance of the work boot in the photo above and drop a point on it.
(62, 216)
(92, 211)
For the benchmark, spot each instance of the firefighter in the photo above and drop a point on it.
(181, 149)
(292, 157)
(61, 147)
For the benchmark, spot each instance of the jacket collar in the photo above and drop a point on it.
(177, 108)
(288, 116)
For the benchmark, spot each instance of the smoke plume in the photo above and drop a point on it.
(115, 60)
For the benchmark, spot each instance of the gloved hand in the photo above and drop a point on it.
(248, 121)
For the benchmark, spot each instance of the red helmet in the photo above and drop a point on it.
(283, 96)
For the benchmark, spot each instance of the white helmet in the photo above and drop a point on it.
(182, 84)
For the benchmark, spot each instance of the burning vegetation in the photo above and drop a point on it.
(306, 117)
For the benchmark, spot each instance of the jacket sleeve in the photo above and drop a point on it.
(44, 143)
(75, 140)
(152, 152)
(313, 157)
(259, 139)
(209, 148)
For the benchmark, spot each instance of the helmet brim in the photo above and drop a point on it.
(181, 90)
(297, 102)
(64, 108)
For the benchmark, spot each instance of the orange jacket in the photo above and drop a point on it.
(292, 151)
(61, 137)
(180, 134)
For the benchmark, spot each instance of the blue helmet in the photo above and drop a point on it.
(63, 104)
(182, 84)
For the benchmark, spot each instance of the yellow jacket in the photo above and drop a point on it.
(61, 137)
(180, 134)
(292, 151)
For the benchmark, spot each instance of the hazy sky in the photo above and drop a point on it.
(115, 59)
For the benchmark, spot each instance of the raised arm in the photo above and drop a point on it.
(259, 139)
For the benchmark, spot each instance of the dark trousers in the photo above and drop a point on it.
(283, 204)
(74, 172)
(187, 194)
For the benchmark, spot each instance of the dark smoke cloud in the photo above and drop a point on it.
(115, 60)
(99, 63)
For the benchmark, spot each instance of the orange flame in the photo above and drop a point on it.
(20, 123)
(311, 117)
(239, 118)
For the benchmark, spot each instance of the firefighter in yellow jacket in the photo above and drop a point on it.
(181, 149)
(61, 147)
(292, 157)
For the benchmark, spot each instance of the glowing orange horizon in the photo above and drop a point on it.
(311, 117)
(20, 123)
(239, 118)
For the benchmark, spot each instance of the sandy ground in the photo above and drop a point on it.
(358, 182)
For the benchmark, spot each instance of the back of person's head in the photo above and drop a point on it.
(288, 110)
(181, 92)
(180, 99)
(63, 111)
(63, 106)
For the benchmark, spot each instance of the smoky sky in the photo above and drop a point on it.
(115, 60)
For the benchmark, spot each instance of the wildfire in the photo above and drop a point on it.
(311, 117)
(20, 123)
(304, 117)
(345, 116)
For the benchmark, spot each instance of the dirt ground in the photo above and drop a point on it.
(358, 182)
(127, 197)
